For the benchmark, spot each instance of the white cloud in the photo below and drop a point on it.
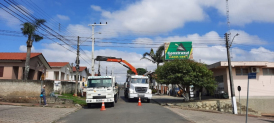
(96, 8)
(147, 17)
(244, 11)
(23, 48)
(153, 16)
(63, 17)
(9, 20)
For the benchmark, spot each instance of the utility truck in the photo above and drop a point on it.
(136, 85)
(101, 89)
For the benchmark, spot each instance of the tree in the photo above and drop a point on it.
(185, 73)
(140, 71)
(30, 30)
(157, 57)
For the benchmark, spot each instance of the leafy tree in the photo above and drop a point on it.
(185, 73)
(30, 30)
(140, 71)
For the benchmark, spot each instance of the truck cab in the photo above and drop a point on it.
(101, 89)
(137, 86)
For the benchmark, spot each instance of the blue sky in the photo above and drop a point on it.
(143, 22)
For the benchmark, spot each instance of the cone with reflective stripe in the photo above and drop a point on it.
(103, 106)
(139, 102)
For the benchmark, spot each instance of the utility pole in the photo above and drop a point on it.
(77, 67)
(42, 79)
(233, 99)
(92, 54)
(106, 70)
(99, 73)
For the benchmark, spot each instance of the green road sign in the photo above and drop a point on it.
(178, 50)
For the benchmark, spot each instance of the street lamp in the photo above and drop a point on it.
(92, 52)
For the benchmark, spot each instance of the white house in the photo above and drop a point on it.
(83, 74)
(61, 71)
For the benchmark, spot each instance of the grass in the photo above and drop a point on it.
(76, 100)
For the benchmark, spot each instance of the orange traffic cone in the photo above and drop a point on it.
(103, 106)
(139, 102)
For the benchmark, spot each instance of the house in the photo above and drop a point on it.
(12, 65)
(262, 86)
(61, 71)
(83, 73)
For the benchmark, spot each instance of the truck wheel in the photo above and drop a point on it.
(116, 98)
(89, 105)
(148, 100)
(112, 104)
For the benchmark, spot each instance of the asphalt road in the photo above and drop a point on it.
(124, 112)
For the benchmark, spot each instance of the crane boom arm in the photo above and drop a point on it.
(119, 60)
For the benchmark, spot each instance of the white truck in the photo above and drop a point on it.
(101, 89)
(137, 86)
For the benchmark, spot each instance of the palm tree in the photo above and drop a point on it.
(29, 29)
(157, 57)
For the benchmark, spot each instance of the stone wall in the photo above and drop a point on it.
(262, 104)
(23, 91)
(67, 87)
(223, 106)
(9, 88)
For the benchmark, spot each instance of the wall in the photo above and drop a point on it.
(261, 86)
(219, 105)
(222, 71)
(67, 87)
(23, 88)
(262, 104)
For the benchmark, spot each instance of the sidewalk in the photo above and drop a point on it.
(23, 114)
(206, 116)
(217, 117)
(33, 112)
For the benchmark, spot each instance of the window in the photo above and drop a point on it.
(219, 79)
(268, 71)
(241, 71)
(1, 71)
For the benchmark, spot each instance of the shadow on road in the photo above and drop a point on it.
(97, 106)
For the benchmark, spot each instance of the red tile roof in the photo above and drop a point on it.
(81, 68)
(58, 64)
(16, 56)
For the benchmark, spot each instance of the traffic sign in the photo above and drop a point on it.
(252, 76)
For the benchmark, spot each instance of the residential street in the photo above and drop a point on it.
(125, 112)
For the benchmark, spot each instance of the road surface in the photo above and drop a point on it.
(125, 112)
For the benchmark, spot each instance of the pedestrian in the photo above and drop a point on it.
(43, 91)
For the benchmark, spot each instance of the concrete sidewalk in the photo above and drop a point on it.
(24, 114)
(206, 116)
(217, 117)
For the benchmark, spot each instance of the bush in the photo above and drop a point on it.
(154, 91)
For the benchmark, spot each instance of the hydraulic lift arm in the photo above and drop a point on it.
(119, 60)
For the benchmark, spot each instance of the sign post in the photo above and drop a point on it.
(239, 89)
(250, 76)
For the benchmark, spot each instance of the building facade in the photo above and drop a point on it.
(12, 66)
(262, 86)
(61, 71)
